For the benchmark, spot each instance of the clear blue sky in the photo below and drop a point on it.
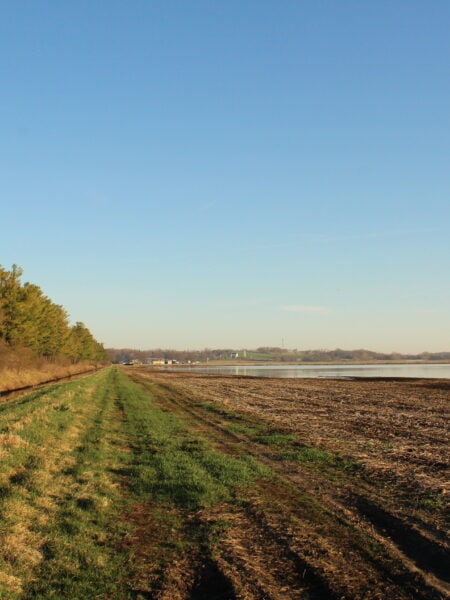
(231, 174)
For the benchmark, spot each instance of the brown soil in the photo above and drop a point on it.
(315, 531)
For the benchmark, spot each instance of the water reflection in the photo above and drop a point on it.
(441, 371)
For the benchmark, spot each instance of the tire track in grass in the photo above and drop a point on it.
(315, 585)
(196, 511)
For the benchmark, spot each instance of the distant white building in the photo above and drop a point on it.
(158, 362)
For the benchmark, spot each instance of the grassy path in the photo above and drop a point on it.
(60, 497)
(119, 489)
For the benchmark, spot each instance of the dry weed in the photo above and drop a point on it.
(16, 510)
(19, 547)
(13, 584)
(17, 377)
(11, 440)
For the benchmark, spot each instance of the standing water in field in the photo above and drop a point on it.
(440, 371)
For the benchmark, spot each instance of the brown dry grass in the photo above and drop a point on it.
(22, 376)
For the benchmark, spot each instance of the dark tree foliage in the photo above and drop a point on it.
(29, 319)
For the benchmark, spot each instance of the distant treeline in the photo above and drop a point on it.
(270, 354)
(32, 324)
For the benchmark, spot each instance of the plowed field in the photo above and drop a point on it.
(357, 507)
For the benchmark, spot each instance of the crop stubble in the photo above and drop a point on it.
(368, 523)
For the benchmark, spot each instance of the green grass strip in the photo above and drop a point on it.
(171, 464)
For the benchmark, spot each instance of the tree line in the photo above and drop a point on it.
(30, 320)
(271, 353)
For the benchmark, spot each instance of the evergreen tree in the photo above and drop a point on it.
(30, 319)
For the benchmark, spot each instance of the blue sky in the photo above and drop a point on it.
(231, 174)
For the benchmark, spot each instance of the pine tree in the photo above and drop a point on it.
(30, 319)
